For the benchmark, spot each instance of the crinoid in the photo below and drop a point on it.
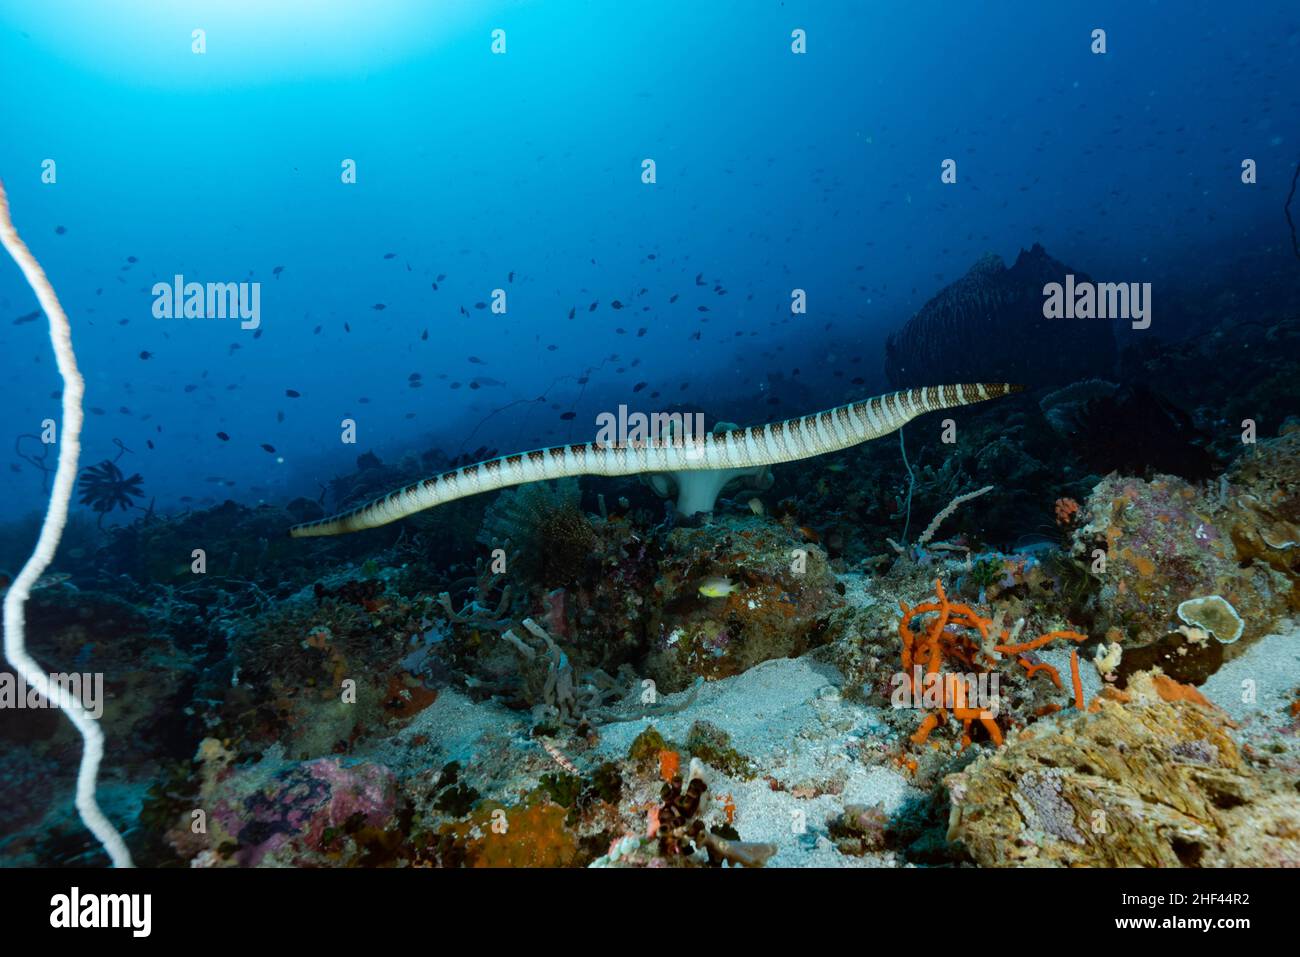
(104, 488)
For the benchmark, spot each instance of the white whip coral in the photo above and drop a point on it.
(955, 504)
(56, 517)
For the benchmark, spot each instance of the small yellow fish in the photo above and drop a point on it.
(716, 587)
(756, 505)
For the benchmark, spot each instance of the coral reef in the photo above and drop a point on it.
(1150, 783)
(1153, 545)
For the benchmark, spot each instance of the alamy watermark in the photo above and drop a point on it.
(87, 689)
(214, 300)
(679, 430)
(1098, 300)
(927, 692)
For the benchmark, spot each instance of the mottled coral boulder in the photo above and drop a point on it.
(1264, 507)
(1152, 784)
(1166, 541)
(308, 814)
(732, 595)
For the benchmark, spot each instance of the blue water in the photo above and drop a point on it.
(774, 170)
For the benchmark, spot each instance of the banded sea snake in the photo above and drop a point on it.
(743, 448)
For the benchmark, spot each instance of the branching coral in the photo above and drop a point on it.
(479, 610)
(959, 635)
(923, 541)
(559, 694)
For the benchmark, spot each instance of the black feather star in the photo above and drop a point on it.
(104, 488)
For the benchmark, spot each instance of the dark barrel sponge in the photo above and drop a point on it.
(989, 326)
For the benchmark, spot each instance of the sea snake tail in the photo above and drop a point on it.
(771, 444)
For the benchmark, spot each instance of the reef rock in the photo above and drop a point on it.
(1264, 507)
(732, 595)
(298, 814)
(962, 334)
(1153, 783)
(1166, 541)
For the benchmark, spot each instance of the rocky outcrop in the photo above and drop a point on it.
(989, 326)
(1154, 783)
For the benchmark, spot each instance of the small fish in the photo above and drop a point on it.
(223, 437)
(279, 416)
(572, 311)
(755, 505)
(641, 332)
(424, 336)
(716, 586)
(268, 448)
(379, 307)
(276, 271)
(672, 298)
(29, 317)
(390, 255)
(616, 304)
(477, 361)
(569, 416)
(638, 387)
(146, 354)
(293, 393)
(60, 230)
(132, 259)
(149, 442)
(316, 331)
